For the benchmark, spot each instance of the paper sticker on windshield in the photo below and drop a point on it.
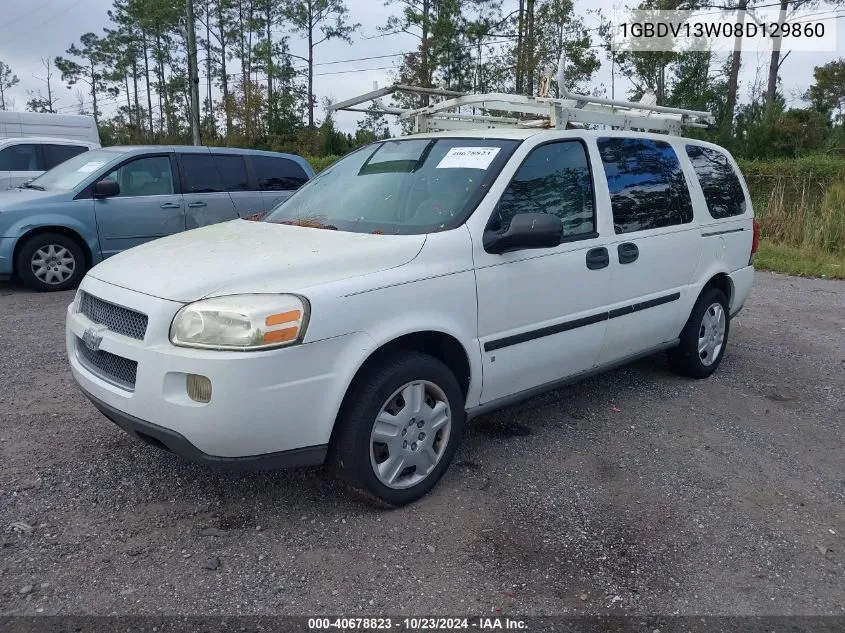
(468, 158)
(87, 168)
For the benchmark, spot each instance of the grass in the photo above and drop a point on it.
(806, 214)
(319, 163)
(802, 262)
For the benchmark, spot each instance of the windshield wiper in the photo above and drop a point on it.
(310, 224)
(29, 185)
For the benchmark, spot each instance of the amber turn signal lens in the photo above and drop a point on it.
(283, 317)
(280, 336)
(199, 388)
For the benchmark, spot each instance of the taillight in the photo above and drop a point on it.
(755, 242)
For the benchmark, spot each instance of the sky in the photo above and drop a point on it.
(45, 28)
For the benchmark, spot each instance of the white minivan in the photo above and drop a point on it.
(415, 284)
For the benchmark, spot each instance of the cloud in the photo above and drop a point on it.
(49, 28)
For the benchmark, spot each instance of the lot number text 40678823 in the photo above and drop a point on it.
(416, 624)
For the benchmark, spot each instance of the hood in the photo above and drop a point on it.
(252, 257)
(14, 199)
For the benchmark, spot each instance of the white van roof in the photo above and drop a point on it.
(46, 140)
(67, 126)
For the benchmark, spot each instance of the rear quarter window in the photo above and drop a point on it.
(57, 154)
(278, 174)
(719, 182)
(647, 185)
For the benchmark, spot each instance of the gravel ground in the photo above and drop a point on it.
(634, 492)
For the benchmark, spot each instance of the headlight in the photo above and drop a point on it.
(241, 322)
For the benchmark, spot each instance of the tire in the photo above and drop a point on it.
(63, 252)
(704, 338)
(413, 439)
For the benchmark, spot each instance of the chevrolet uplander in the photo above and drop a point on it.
(413, 285)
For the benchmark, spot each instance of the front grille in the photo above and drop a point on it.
(117, 318)
(110, 367)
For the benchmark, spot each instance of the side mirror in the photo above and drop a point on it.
(527, 230)
(106, 188)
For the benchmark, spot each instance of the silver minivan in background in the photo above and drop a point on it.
(22, 159)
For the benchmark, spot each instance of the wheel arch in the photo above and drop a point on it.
(441, 345)
(61, 230)
(723, 282)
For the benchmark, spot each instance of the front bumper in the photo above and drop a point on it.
(173, 442)
(7, 250)
(263, 404)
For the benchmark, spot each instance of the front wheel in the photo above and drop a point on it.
(399, 428)
(704, 337)
(50, 262)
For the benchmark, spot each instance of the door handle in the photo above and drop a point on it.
(171, 205)
(597, 258)
(628, 252)
(196, 204)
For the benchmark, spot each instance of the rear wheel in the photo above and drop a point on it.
(704, 337)
(399, 428)
(50, 262)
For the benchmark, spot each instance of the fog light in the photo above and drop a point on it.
(199, 388)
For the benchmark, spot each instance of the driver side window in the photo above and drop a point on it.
(554, 179)
(150, 176)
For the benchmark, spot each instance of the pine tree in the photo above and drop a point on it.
(89, 71)
(318, 21)
(7, 80)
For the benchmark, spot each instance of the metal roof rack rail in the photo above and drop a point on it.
(522, 112)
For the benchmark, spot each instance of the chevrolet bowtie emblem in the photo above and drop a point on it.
(93, 336)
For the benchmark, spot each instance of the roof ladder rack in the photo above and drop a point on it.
(521, 112)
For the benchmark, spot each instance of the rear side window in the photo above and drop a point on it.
(278, 174)
(57, 154)
(554, 179)
(232, 170)
(719, 182)
(200, 173)
(647, 187)
(22, 157)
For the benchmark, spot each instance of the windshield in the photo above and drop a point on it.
(406, 186)
(69, 174)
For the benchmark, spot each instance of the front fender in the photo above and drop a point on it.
(444, 304)
(434, 292)
(439, 324)
(85, 228)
